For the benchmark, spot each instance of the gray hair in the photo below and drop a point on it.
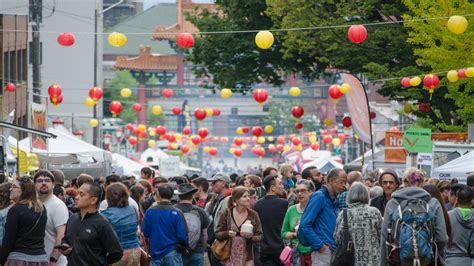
(354, 176)
(308, 184)
(333, 174)
(375, 192)
(358, 193)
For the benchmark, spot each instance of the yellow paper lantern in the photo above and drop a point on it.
(206, 149)
(264, 39)
(226, 93)
(336, 142)
(295, 91)
(156, 109)
(452, 76)
(415, 81)
(93, 122)
(299, 148)
(231, 151)
(286, 148)
(270, 138)
(89, 102)
(312, 139)
(261, 140)
(243, 146)
(117, 39)
(344, 88)
(407, 108)
(151, 143)
(239, 131)
(178, 137)
(457, 24)
(141, 128)
(152, 133)
(470, 72)
(125, 92)
(268, 129)
(327, 122)
(174, 145)
(209, 112)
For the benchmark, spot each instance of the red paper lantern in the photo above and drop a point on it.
(373, 115)
(171, 137)
(215, 139)
(96, 93)
(281, 140)
(260, 95)
(271, 148)
(66, 39)
(184, 149)
(213, 151)
(327, 139)
(224, 139)
(405, 82)
(357, 34)
(160, 130)
(216, 112)
(334, 92)
(245, 130)
(199, 113)
(238, 152)
(10, 87)
(315, 146)
(346, 121)
(257, 131)
(431, 81)
(462, 73)
(142, 135)
(129, 126)
(333, 131)
(299, 125)
(115, 108)
(176, 110)
(167, 93)
(185, 40)
(136, 107)
(238, 141)
(260, 151)
(133, 141)
(324, 132)
(341, 137)
(203, 132)
(297, 111)
(54, 90)
(279, 147)
(186, 131)
(296, 141)
(135, 130)
(56, 100)
(196, 140)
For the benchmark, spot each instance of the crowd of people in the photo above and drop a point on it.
(276, 217)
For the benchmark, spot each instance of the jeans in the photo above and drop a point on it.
(171, 259)
(321, 259)
(195, 259)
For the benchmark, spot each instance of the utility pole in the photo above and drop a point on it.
(36, 17)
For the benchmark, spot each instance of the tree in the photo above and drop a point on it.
(122, 79)
(279, 116)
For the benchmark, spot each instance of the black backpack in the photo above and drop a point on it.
(344, 253)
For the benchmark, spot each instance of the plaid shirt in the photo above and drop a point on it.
(341, 201)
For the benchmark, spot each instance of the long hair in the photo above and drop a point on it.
(28, 194)
(237, 193)
(434, 192)
(4, 195)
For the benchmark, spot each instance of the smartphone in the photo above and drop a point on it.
(62, 247)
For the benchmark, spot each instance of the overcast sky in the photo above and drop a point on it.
(150, 3)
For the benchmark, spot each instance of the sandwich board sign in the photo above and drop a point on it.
(169, 167)
(417, 140)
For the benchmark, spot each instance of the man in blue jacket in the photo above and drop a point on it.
(319, 219)
(165, 227)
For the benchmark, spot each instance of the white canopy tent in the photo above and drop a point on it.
(153, 156)
(125, 166)
(324, 164)
(459, 168)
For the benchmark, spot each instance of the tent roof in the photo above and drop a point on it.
(126, 166)
(459, 168)
(156, 154)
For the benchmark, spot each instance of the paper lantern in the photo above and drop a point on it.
(10, 87)
(407, 108)
(196, 140)
(279, 147)
(133, 141)
(245, 130)
(254, 139)
(264, 39)
(142, 135)
(405, 82)
(66, 39)
(357, 34)
(457, 24)
(167, 93)
(171, 137)
(346, 121)
(185, 40)
(141, 128)
(462, 73)
(238, 141)
(372, 115)
(186, 131)
(257, 131)
(299, 125)
(239, 131)
(88, 102)
(341, 137)
(260, 152)
(135, 130)
(394, 129)
(115, 108)
(160, 130)
(176, 110)
(315, 146)
(224, 139)
(281, 140)
(327, 139)
(226, 93)
(129, 126)
(213, 151)
(452, 76)
(470, 72)
(336, 142)
(238, 152)
(295, 91)
(156, 110)
(117, 39)
(125, 92)
(96, 93)
(93, 122)
(173, 146)
(312, 139)
(270, 138)
(184, 149)
(327, 122)
(136, 107)
(216, 112)
(296, 141)
(268, 129)
(199, 114)
(431, 81)
(415, 81)
(324, 132)
(344, 88)
(299, 148)
(203, 132)
(261, 139)
(54, 90)
(271, 148)
(297, 112)
(333, 131)
(209, 112)
(286, 148)
(260, 95)
(334, 92)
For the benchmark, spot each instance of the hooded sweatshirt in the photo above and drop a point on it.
(462, 228)
(441, 237)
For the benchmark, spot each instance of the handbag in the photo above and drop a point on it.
(344, 253)
(221, 249)
(289, 255)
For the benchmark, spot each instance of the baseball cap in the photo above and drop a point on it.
(220, 176)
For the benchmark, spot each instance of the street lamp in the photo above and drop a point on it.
(107, 140)
(119, 134)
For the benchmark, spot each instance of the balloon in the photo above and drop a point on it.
(156, 109)
(216, 112)
(226, 93)
(415, 81)
(270, 138)
(357, 34)
(327, 122)
(405, 82)
(185, 40)
(96, 93)
(268, 129)
(66, 39)
(206, 149)
(93, 122)
(89, 102)
(281, 140)
(407, 108)
(452, 76)
(264, 39)
(151, 143)
(125, 92)
(341, 137)
(129, 126)
(295, 91)
(141, 128)
(133, 141)
(245, 130)
(327, 139)
(296, 141)
(238, 141)
(457, 24)
(299, 148)
(345, 88)
(117, 39)
(431, 81)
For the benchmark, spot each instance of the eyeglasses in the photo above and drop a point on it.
(301, 190)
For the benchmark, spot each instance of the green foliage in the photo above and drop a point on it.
(122, 79)
(279, 116)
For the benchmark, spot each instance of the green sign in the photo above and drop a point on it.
(417, 140)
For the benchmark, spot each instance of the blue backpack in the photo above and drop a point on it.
(412, 233)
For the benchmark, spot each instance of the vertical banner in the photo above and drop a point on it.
(38, 121)
(394, 151)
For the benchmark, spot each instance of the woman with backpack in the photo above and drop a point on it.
(233, 226)
(364, 225)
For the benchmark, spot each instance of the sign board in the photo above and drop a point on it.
(394, 151)
(417, 140)
(169, 167)
(38, 122)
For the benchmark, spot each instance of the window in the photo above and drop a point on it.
(12, 66)
(24, 63)
(19, 66)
